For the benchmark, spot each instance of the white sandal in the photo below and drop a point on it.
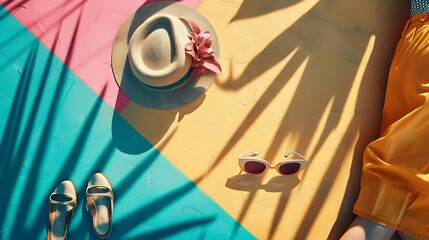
(62, 204)
(100, 198)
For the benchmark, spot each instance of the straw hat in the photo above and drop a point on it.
(164, 54)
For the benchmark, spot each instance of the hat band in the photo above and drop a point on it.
(173, 85)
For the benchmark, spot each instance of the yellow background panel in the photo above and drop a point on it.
(305, 76)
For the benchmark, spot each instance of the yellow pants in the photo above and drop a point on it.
(395, 174)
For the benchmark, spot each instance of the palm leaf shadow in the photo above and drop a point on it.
(22, 48)
(144, 213)
(243, 13)
(8, 143)
(174, 229)
(15, 117)
(9, 166)
(305, 42)
(36, 164)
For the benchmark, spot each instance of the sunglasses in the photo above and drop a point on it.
(252, 165)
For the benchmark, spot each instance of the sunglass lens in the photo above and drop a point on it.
(289, 168)
(254, 167)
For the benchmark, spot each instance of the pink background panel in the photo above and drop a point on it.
(81, 34)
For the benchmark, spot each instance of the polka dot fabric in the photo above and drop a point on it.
(419, 6)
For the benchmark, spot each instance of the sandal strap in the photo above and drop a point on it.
(71, 202)
(109, 193)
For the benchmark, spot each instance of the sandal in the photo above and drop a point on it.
(100, 197)
(62, 204)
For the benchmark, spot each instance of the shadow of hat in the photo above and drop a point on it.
(148, 56)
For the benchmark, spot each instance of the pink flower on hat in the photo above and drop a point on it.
(199, 49)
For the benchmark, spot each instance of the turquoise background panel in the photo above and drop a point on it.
(54, 127)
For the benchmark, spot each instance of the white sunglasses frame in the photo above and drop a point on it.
(250, 156)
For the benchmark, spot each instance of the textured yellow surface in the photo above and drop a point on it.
(305, 76)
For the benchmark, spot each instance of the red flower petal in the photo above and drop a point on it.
(192, 25)
(199, 49)
(212, 65)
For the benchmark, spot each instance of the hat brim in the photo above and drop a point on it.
(172, 98)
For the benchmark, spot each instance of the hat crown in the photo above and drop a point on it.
(157, 51)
